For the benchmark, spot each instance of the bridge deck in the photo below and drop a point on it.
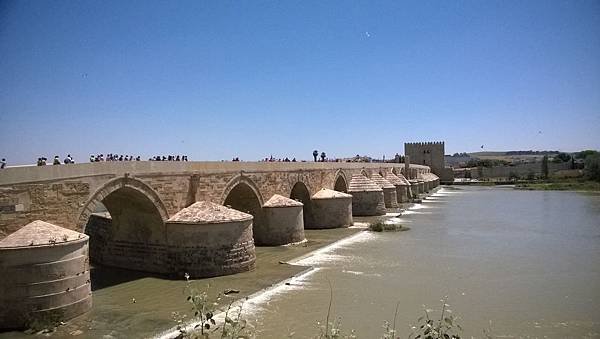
(26, 174)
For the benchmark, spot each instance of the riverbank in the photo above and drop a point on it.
(577, 185)
(564, 185)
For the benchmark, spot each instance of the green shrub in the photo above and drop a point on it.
(429, 327)
(381, 226)
(592, 167)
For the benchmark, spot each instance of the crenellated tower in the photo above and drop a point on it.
(427, 153)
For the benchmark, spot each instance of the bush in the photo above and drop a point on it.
(204, 308)
(561, 157)
(545, 167)
(380, 226)
(433, 328)
(592, 167)
(585, 154)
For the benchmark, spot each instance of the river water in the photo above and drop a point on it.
(521, 263)
(518, 263)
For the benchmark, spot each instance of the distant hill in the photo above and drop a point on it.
(511, 153)
(513, 157)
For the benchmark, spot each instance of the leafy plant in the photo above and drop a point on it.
(235, 327)
(445, 327)
(203, 308)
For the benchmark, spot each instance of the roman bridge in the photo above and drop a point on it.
(140, 197)
(170, 218)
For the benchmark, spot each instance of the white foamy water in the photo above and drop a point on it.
(414, 212)
(362, 273)
(325, 254)
(417, 207)
(392, 221)
(435, 198)
(257, 300)
(253, 303)
(447, 191)
(361, 225)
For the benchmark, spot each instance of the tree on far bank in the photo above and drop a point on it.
(562, 157)
(315, 154)
(584, 154)
(545, 167)
(592, 166)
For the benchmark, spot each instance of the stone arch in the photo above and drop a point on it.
(134, 235)
(241, 179)
(242, 194)
(113, 185)
(395, 170)
(340, 183)
(365, 173)
(301, 193)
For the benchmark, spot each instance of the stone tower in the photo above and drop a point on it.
(427, 153)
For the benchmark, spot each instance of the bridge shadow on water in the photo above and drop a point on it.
(105, 276)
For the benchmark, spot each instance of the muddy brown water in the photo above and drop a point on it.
(528, 261)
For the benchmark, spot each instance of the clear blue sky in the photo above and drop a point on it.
(221, 79)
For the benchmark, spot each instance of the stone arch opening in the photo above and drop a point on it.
(301, 193)
(340, 184)
(243, 197)
(365, 173)
(125, 221)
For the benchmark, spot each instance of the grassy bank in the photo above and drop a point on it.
(561, 185)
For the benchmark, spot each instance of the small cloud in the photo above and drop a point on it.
(368, 34)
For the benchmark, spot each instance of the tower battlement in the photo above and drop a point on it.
(428, 153)
(426, 143)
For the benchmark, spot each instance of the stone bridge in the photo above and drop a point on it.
(171, 218)
(141, 196)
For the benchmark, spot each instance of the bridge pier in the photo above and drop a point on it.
(332, 209)
(284, 222)
(207, 239)
(45, 276)
(389, 191)
(367, 197)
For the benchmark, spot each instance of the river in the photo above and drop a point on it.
(518, 263)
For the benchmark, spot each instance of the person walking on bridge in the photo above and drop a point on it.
(3, 163)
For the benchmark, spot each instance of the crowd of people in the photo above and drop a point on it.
(169, 158)
(43, 161)
(113, 157)
(272, 159)
(121, 157)
(317, 157)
